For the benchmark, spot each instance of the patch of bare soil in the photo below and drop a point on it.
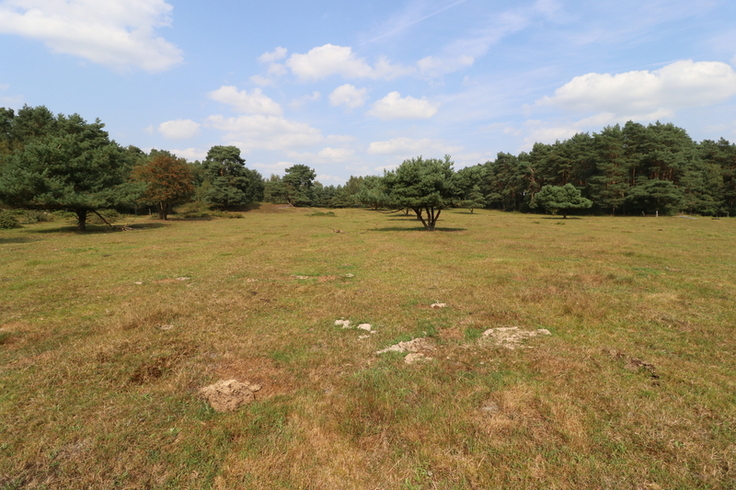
(229, 395)
(414, 347)
(511, 337)
(633, 363)
(274, 380)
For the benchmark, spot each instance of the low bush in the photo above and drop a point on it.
(8, 221)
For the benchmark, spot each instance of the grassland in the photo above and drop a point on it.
(634, 389)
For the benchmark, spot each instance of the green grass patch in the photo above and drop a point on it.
(106, 338)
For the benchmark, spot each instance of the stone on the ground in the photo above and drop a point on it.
(343, 323)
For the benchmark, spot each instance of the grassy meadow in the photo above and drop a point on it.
(106, 338)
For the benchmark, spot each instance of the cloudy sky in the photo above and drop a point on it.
(352, 88)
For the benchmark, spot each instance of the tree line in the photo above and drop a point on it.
(58, 162)
(621, 170)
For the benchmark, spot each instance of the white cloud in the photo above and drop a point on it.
(644, 94)
(340, 138)
(277, 167)
(394, 107)
(324, 61)
(267, 132)
(10, 101)
(336, 154)
(434, 66)
(326, 155)
(349, 96)
(323, 178)
(275, 55)
(179, 129)
(190, 154)
(277, 69)
(411, 146)
(242, 101)
(116, 33)
(298, 103)
(541, 132)
(262, 81)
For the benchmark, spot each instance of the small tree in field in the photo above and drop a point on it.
(425, 186)
(473, 200)
(168, 181)
(560, 199)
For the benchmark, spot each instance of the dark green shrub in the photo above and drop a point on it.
(8, 221)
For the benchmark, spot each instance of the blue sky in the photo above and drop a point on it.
(353, 88)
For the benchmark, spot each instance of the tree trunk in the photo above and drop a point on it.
(432, 218)
(163, 210)
(81, 219)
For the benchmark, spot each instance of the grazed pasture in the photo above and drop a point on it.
(106, 338)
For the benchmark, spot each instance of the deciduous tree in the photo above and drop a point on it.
(168, 181)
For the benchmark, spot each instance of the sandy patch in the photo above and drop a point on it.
(511, 337)
(415, 345)
(228, 396)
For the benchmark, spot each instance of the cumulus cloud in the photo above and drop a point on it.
(324, 61)
(411, 146)
(326, 155)
(349, 96)
(242, 101)
(393, 106)
(645, 94)
(275, 70)
(179, 129)
(266, 132)
(190, 154)
(299, 102)
(275, 55)
(261, 80)
(116, 33)
(277, 167)
(323, 178)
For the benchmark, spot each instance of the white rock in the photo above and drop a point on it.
(343, 323)
(411, 346)
(415, 357)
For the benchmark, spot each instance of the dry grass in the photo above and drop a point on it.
(106, 337)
